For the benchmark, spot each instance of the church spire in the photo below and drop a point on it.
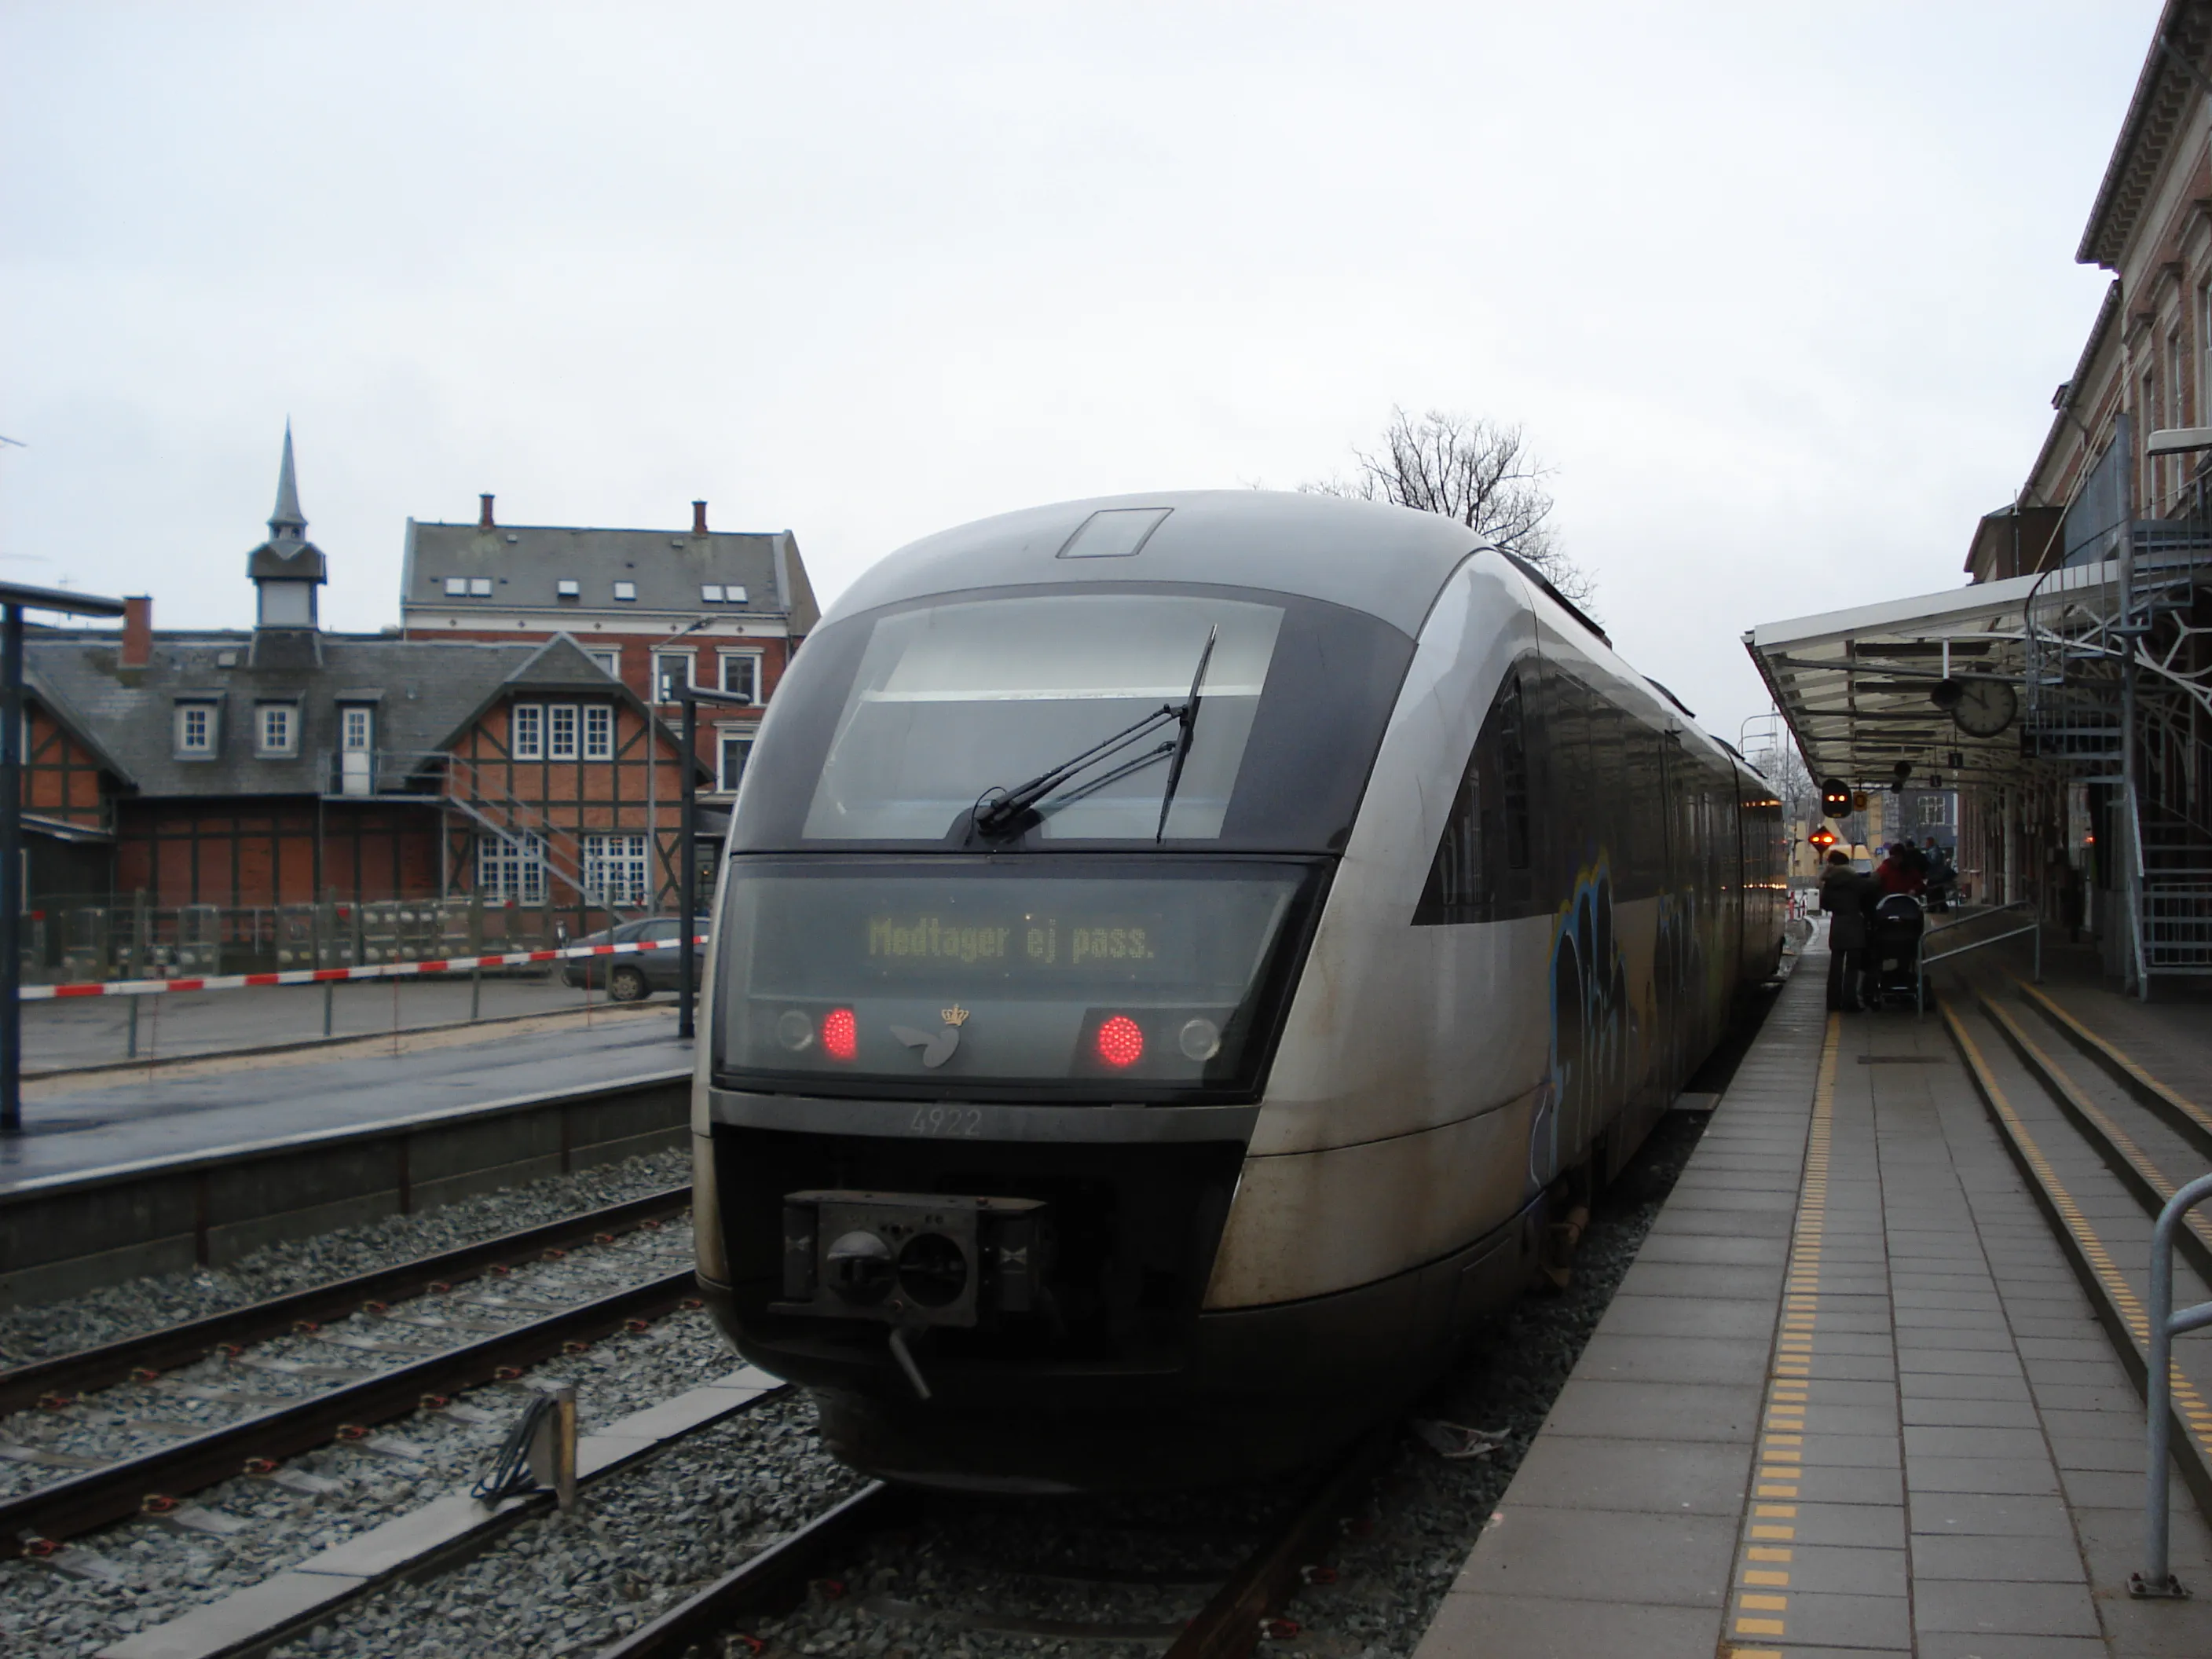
(287, 523)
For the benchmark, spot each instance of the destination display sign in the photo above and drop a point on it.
(932, 941)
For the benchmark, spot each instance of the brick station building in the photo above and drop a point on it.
(500, 744)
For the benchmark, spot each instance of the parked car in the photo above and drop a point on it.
(634, 978)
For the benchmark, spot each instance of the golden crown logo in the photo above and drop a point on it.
(955, 1016)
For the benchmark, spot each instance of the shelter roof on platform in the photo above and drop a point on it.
(1854, 684)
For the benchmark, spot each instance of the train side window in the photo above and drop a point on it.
(1482, 858)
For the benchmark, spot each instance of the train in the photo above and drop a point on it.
(1177, 961)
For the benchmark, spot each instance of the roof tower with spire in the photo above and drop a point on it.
(287, 567)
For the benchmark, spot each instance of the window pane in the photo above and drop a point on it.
(529, 732)
(598, 732)
(739, 676)
(561, 732)
(736, 751)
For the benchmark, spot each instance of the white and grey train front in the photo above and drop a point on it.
(1169, 951)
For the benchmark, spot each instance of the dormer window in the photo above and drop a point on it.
(569, 590)
(196, 731)
(277, 731)
(626, 591)
(456, 588)
(722, 593)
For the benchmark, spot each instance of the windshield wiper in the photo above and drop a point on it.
(1008, 807)
(1188, 717)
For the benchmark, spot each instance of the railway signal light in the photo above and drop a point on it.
(1822, 839)
(1836, 799)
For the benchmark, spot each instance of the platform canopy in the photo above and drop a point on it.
(1854, 685)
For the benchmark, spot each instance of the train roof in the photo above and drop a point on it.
(1390, 561)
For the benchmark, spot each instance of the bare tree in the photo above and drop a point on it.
(1478, 472)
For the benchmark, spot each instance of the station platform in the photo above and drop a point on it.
(1867, 1388)
(73, 1125)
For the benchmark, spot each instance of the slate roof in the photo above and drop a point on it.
(426, 692)
(523, 562)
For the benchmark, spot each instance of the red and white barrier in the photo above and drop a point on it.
(143, 987)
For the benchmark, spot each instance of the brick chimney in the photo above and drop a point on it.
(137, 632)
(698, 518)
(484, 514)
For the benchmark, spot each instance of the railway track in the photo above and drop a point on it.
(257, 1442)
(2102, 1144)
(1089, 1564)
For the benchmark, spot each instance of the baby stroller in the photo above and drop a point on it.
(1894, 952)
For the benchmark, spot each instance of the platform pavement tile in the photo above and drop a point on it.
(1982, 1559)
(1849, 1314)
(1837, 1570)
(1821, 1525)
(1818, 1620)
(1959, 1362)
(2069, 1324)
(1716, 1249)
(1920, 1412)
(1601, 1555)
(1830, 1483)
(2108, 1489)
(2090, 1348)
(2008, 1608)
(1946, 1302)
(1850, 1367)
(2107, 1453)
(1598, 1407)
(1679, 1218)
(1955, 1339)
(1697, 1318)
(1603, 1474)
(1972, 1440)
(1951, 1385)
(1834, 1391)
(1995, 1476)
(1825, 1447)
(1673, 1360)
(1690, 1279)
(1961, 1644)
(1967, 1514)
(1852, 1421)
(2061, 1423)
(1872, 1344)
(2062, 1373)
(2100, 1397)
(1728, 1184)
(1489, 1627)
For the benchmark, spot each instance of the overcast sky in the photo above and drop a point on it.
(1781, 291)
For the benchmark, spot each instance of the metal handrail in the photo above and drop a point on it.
(1921, 959)
(2157, 1580)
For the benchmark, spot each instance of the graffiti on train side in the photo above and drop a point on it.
(1615, 1030)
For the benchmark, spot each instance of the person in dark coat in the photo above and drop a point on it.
(1847, 897)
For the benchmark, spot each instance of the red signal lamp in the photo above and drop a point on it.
(1121, 1041)
(1823, 838)
(841, 1034)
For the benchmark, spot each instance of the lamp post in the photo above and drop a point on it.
(14, 600)
(687, 869)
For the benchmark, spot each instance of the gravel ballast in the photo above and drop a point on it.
(115, 1311)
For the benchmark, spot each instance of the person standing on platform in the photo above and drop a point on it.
(1897, 873)
(1846, 896)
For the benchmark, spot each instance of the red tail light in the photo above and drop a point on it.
(1120, 1041)
(841, 1034)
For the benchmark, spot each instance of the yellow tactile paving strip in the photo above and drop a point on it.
(1759, 1601)
(2188, 1404)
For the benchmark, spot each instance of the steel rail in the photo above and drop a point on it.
(99, 1497)
(138, 1359)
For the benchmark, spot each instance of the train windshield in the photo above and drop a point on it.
(972, 978)
(892, 726)
(956, 701)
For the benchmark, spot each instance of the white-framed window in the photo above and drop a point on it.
(741, 674)
(561, 731)
(670, 670)
(479, 587)
(196, 729)
(568, 588)
(525, 732)
(456, 588)
(511, 868)
(1935, 812)
(614, 870)
(598, 730)
(733, 749)
(356, 729)
(276, 730)
(609, 662)
(626, 591)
